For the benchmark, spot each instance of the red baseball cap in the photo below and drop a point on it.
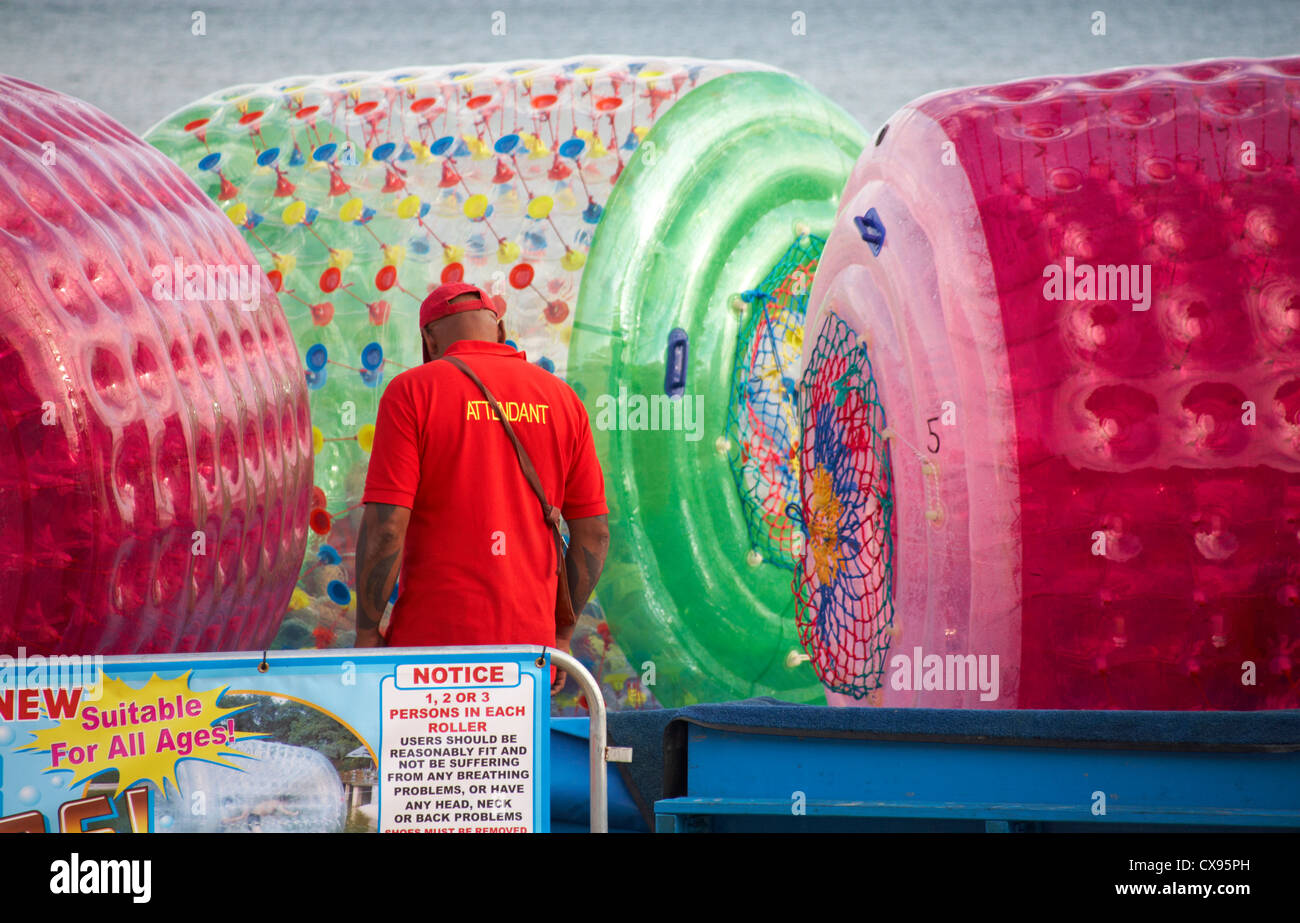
(438, 304)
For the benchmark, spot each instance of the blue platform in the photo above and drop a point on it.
(768, 766)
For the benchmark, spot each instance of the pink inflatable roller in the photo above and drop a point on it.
(155, 444)
(1051, 399)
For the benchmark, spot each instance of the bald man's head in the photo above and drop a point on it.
(481, 325)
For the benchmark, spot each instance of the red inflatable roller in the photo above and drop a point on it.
(155, 444)
(1052, 399)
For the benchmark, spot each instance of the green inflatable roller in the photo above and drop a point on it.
(739, 172)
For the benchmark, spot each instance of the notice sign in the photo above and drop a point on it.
(458, 751)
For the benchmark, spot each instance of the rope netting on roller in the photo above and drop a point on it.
(843, 587)
(762, 419)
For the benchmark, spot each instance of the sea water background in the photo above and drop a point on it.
(138, 61)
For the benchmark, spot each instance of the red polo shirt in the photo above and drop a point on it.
(479, 563)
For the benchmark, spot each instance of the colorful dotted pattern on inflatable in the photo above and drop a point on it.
(361, 192)
(155, 444)
(1081, 301)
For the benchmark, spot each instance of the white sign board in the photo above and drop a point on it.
(458, 751)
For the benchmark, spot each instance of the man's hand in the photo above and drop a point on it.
(561, 675)
(379, 555)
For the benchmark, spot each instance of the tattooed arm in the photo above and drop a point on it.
(379, 555)
(583, 562)
(588, 545)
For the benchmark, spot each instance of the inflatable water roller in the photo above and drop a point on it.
(360, 192)
(685, 350)
(1051, 399)
(155, 443)
(276, 788)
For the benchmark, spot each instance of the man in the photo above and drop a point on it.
(446, 499)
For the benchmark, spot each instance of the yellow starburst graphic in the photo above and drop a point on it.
(142, 733)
